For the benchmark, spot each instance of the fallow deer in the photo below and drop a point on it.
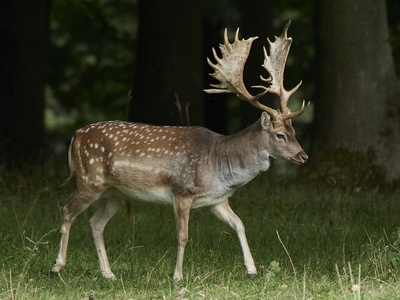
(185, 167)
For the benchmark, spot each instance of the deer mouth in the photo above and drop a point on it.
(297, 162)
(300, 158)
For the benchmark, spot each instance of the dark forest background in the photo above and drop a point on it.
(70, 63)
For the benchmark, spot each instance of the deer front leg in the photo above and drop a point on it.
(98, 221)
(224, 212)
(181, 210)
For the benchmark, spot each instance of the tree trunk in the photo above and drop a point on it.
(169, 64)
(24, 28)
(357, 105)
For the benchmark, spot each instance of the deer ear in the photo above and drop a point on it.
(265, 119)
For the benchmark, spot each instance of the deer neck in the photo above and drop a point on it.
(240, 157)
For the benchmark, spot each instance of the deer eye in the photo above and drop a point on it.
(281, 136)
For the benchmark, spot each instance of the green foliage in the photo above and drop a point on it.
(337, 240)
(91, 61)
(273, 270)
(395, 254)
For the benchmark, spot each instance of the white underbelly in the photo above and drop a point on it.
(166, 197)
(160, 196)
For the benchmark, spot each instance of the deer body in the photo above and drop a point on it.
(200, 163)
(185, 167)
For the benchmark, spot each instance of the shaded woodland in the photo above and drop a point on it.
(71, 63)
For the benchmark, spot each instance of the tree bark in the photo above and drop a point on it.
(24, 27)
(357, 105)
(169, 64)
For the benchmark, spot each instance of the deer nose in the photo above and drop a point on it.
(303, 157)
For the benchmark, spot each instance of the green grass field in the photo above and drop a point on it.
(309, 241)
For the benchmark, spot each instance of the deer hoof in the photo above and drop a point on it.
(252, 276)
(109, 275)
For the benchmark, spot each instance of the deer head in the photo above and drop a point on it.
(276, 123)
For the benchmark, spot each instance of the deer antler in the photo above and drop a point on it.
(275, 66)
(229, 72)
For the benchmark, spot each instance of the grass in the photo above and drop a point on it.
(309, 241)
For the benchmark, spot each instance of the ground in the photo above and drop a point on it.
(309, 240)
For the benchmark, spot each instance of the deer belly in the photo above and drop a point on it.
(207, 201)
(160, 196)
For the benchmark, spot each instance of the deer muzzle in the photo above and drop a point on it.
(300, 158)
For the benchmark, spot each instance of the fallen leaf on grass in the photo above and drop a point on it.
(182, 291)
(355, 288)
(283, 286)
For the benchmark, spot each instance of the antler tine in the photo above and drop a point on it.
(292, 115)
(286, 29)
(226, 40)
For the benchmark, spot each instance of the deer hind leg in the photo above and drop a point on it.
(107, 209)
(71, 210)
(181, 210)
(224, 212)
